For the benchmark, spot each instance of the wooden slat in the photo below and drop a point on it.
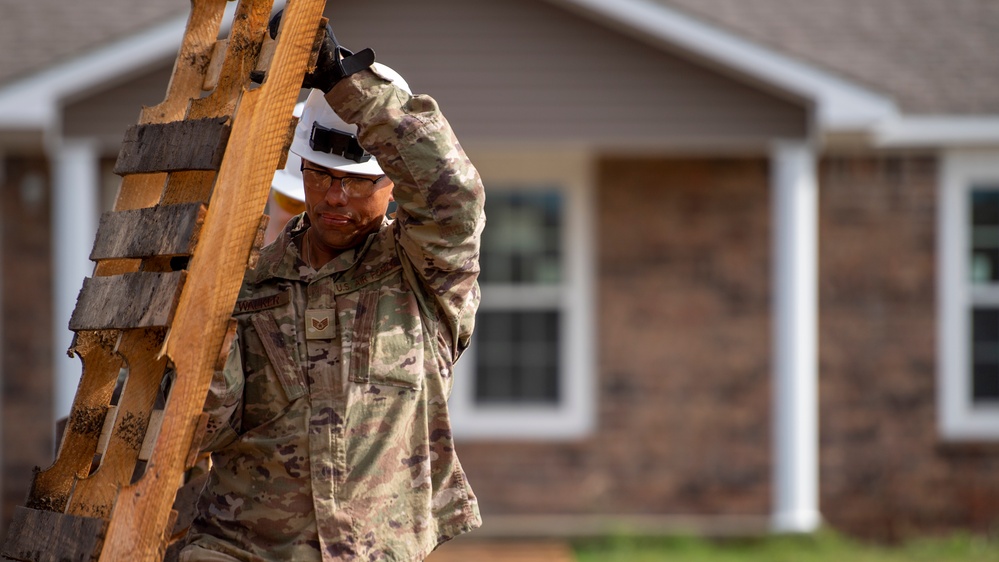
(173, 147)
(109, 421)
(95, 495)
(51, 487)
(122, 302)
(143, 190)
(241, 55)
(152, 432)
(45, 536)
(170, 230)
(218, 58)
(215, 66)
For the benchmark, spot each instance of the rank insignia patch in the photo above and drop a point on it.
(320, 324)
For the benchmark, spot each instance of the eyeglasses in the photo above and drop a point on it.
(319, 181)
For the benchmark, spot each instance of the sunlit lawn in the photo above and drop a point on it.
(822, 547)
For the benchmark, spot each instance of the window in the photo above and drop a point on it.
(984, 242)
(969, 296)
(528, 373)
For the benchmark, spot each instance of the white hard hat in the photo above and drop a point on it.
(288, 180)
(322, 137)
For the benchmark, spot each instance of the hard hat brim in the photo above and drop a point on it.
(317, 110)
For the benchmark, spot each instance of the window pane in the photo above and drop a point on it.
(985, 354)
(522, 242)
(985, 235)
(517, 357)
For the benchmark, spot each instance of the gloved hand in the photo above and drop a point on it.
(334, 61)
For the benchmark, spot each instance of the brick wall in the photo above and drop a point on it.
(684, 340)
(26, 409)
(885, 473)
(684, 357)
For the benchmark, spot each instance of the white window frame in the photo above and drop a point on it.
(959, 418)
(573, 416)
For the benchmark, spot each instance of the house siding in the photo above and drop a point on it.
(518, 77)
(529, 71)
(107, 114)
(512, 72)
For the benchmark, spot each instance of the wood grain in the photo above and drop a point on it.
(170, 230)
(144, 190)
(95, 495)
(123, 302)
(51, 487)
(44, 536)
(179, 146)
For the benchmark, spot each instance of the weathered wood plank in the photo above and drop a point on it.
(242, 51)
(95, 495)
(173, 147)
(50, 488)
(123, 302)
(143, 190)
(170, 230)
(46, 536)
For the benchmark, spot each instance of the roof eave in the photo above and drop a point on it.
(922, 131)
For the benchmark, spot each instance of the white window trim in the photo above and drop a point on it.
(959, 419)
(574, 416)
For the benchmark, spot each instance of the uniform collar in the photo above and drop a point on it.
(282, 259)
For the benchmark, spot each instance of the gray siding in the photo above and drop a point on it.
(522, 71)
(107, 114)
(525, 70)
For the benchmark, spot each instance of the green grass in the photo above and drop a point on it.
(821, 547)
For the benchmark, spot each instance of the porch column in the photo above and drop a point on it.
(795, 415)
(75, 195)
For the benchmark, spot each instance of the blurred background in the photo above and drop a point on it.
(740, 273)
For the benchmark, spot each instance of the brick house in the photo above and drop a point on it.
(742, 265)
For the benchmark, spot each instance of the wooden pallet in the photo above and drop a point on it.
(153, 322)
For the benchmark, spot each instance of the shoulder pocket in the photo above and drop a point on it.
(280, 352)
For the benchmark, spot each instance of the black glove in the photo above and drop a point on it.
(334, 62)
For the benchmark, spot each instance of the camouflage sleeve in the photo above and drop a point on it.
(439, 192)
(222, 404)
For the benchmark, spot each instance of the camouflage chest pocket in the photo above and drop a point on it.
(388, 338)
(280, 351)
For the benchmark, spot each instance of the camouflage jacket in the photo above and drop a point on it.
(330, 431)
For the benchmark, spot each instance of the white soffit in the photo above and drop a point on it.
(841, 105)
(937, 130)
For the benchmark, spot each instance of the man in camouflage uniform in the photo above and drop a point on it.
(330, 431)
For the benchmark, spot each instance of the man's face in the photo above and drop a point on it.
(342, 220)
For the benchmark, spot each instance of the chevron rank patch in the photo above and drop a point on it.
(320, 324)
